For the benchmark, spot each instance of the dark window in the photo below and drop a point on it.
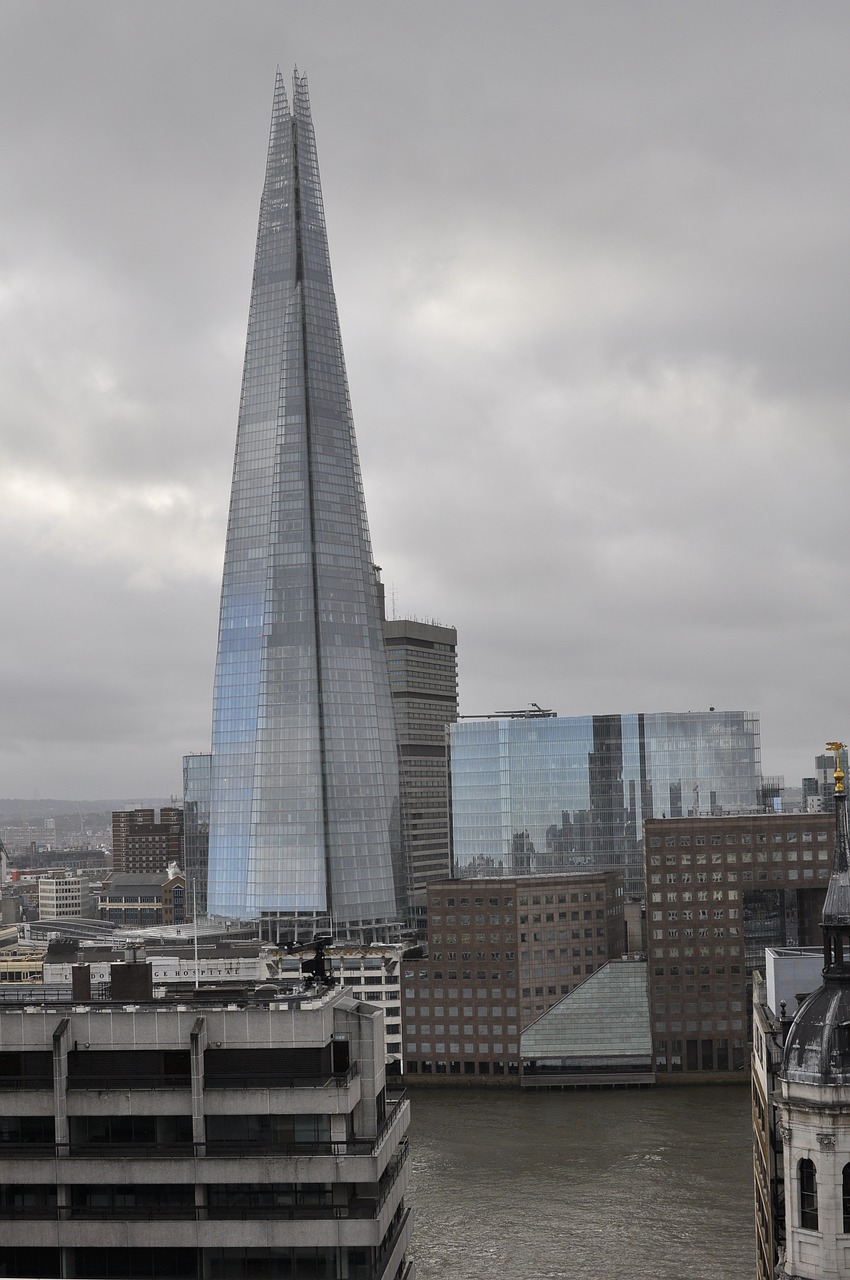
(269, 1130)
(845, 1197)
(28, 1069)
(35, 1200)
(168, 1199)
(155, 1132)
(265, 1066)
(808, 1195)
(31, 1262)
(24, 1130)
(169, 1264)
(124, 1068)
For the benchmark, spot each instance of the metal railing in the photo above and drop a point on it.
(395, 1102)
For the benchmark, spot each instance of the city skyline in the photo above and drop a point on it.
(593, 342)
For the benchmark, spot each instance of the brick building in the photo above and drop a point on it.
(142, 901)
(502, 951)
(141, 845)
(719, 890)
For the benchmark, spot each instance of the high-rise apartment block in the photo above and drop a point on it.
(304, 776)
(422, 659)
(543, 793)
(720, 890)
(203, 1136)
(141, 844)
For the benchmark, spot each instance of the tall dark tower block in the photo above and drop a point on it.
(304, 779)
(422, 659)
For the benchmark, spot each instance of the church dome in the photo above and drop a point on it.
(817, 1047)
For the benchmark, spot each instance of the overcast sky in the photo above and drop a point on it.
(592, 270)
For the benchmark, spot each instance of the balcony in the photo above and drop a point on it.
(101, 1082)
(271, 1080)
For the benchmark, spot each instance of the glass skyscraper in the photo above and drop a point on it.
(547, 793)
(304, 778)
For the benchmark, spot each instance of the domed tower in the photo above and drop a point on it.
(814, 1111)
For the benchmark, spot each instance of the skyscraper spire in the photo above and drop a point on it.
(304, 798)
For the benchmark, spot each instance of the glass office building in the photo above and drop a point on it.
(543, 793)
(304, 783)
(196, 829)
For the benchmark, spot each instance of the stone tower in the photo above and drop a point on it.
(814, 1111)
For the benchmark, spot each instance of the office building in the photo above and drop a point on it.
(63, 896)
(819, 791)
(304, 774)
(543, 793)
(422, 660)
(141, 844)
(196, 828)
(719, 891)
(208, 1136)
(596, 1036)
(502, 951)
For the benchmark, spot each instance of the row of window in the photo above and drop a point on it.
(167, 1131)
(456, 1068)
(731, 838)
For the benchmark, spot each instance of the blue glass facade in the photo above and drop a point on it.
(304, 802)
(550, 793)
(196, 828)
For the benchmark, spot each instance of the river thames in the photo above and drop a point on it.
(652, 1184)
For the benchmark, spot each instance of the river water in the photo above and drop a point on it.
(649, 1184)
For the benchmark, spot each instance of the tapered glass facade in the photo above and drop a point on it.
(550, 793)
(304, 779)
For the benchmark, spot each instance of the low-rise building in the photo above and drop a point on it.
(597, 1036)
(140, 901)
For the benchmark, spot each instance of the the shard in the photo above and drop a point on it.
(304, 776)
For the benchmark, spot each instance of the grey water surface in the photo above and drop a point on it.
(651, 1184)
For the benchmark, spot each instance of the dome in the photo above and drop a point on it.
(817, 1047)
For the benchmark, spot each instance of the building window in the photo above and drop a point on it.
(808, 1195)
(845, 1197)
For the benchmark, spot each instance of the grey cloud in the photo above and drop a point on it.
(590, 270)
